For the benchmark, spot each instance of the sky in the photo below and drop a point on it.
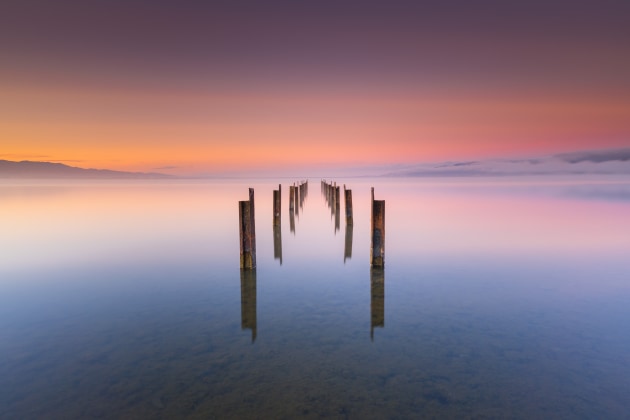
(310, 87)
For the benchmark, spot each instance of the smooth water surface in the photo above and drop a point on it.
(500, 298)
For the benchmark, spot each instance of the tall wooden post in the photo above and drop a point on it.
(245, 235)
(276, 208)
(301, 194)
(291, 198)
(247, 232)
(329, 195)
(296, 199)
(337, 210)
(348, 202)
(377, 248)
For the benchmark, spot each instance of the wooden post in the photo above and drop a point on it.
(377, 299)
(276, 208)
(247, 232)
(329, 197)
(348, 201)
(252, 215)
(291, 199)
(248, 301)
(377, 249)
(296, 199)
(337, 210)
(332, 198)
(245, 235)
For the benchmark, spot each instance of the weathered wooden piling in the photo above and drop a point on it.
(248, 301)
(377, 248)
(304, 192)
(247, 232)
(291, 198)
(276, 208)
(329, 195)
(348, 203)
(252, 214)
(377, 299)
(296, 199)
(337, 210)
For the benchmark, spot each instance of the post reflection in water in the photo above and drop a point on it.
(297, 196)
(337, 211)
(347, 251)
(292, 221)
(248, 301)
(330, 192)
(377, 300)
(277, 243)
(296, 193)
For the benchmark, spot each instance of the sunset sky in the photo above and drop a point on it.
(229, 87)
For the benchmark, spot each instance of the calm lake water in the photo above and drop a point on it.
(500, 298)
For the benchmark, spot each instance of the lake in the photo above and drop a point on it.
(500, 298)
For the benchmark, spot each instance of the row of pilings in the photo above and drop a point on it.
(330, 191)
(247, 229)
(297, 196)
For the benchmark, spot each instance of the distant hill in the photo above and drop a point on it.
(29, 169)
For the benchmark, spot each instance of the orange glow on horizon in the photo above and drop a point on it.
(205, 132)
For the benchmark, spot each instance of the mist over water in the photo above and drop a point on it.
(499, 298)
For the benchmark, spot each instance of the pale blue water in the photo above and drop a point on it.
(498, 300)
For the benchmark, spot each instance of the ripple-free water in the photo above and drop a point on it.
(499, 299)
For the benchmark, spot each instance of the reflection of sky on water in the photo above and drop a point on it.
(125, 299)
(600, 192)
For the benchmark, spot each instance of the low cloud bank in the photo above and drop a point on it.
(604, 162)
(596, 156)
